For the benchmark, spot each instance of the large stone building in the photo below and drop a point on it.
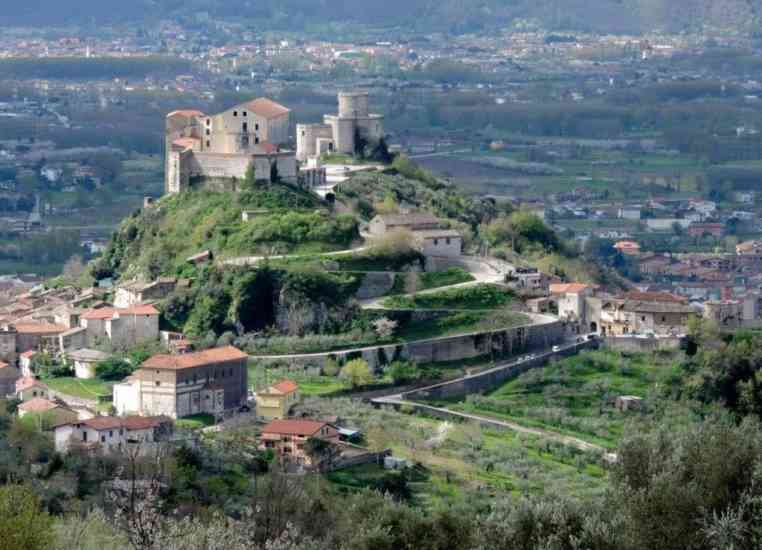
(110, 433)
(211, 381)
(338, 133)
(215, 151)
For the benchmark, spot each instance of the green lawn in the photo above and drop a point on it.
(196, 421)
(576, 396)
(459, 323)
(477, 297)
(76, 387)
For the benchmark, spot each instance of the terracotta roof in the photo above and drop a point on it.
(185, 113)
(568, 288)
(408, 219)
(286, 386)
(109, 312)
(294, 427)
(28, 382)
(40, 328)
(101, 423)
(196, 359)
(268, 147)
(626, 244)
(266, 108)
(38, 404)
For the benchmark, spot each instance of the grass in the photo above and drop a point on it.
(464, 459)
(477, 297)
(196, 422)
(429, 280)
(459, 323)
(576, 396)
(77, 387)
(309, 385)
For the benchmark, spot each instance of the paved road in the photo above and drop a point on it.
(254, 260)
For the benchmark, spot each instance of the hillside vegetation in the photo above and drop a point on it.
(157, 241)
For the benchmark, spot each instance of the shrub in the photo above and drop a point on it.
(357, 373)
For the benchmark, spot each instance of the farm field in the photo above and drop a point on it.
(576, 396)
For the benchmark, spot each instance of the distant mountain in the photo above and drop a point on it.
(424, 15)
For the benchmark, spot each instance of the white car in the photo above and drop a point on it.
(556, 349)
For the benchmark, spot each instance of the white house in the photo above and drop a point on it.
(85, 361)
(111, 433)
(439, 242)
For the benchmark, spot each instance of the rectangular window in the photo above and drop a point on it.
(208, 143)
(208, 132)
(245, 127)
(256, 126)
(235, 113)
(158, 383)
(208, 122)
(244, 113)
(111, 433)
(103, 439)
(256, 140)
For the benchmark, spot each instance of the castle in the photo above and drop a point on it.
(215, 151)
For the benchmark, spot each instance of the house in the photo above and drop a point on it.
(211, 381)
(635, 312)
(700, 229)
(750, 248)
(654, 264)
(28, 388)
(529, 278)
(288, 439)
(571, 301)
(276, 401)
(85, 361)
(136, 293)
(385, 223)
(200, 258)
(26, 361)
(446, 243)
(629, 213)
(8, 377)
(121, 327)
(630, 248)
(51, 412)
(112, 433)
(32, 336)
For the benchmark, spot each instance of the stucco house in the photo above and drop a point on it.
(210, 381)
(275, 402)
(288, 438)
(51, 413)
(8, 377)
(85, 361)
(121, 327)
(657, 313)
(136, 292)
(28, 388)
(385, 223)
(112, 433)
(439, 242)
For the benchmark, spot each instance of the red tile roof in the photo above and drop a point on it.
(40, 328)
(109, 312)
(28, 382)
(568, 288)
(294, 427)
(185, 113)
(196, 359)
(266, 108)
(268, 147)
(286, 386)
(101, 423)
(37, 405)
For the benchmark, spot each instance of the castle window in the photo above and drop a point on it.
(256, 140)
(304, 133)
(208, 143)
(208, 121)
(208, 132)
(244, 113)
(235, 113)
(158, 383)
(447, 240)
(245, 127)
(256, 126)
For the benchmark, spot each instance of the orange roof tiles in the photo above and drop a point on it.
(651, 297)
(286, 386)
(196, 359)
(266, 108)
(39, 328)
(37, 405)
(293, 427)
(27, 382)
(109, 312)
(186, 113)
(568, 288)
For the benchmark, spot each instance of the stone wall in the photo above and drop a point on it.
(493, 378)
(375, 285)
(633, 345)
(541, 335)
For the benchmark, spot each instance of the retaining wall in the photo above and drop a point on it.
(503, 343)
(632, 344)
(493, 378)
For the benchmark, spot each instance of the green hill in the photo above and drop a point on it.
(158, 240)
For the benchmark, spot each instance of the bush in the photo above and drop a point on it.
(113, 368)
(357, 373)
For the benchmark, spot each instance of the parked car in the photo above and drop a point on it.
(556, 349)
